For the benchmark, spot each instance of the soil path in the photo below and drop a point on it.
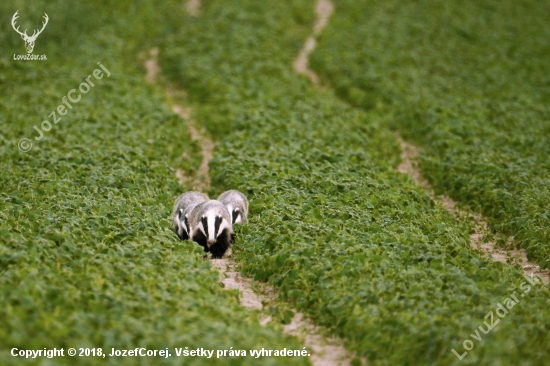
(325, 351)
(232, 279)
(323, 9)
(193, 7)
(409, 165)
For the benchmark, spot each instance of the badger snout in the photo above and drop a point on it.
(211, 242)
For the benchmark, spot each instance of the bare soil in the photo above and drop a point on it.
(300, 65)
(201, 181)
(233, 280)
(193, 7)
(151, 65)
(325, 351)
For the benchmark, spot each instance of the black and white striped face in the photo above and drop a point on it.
(212, 226)
(183, 225)
(236, 217)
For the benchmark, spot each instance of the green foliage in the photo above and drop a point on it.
(469, 81)
(341, 234)
(87, 255)
(87, 258)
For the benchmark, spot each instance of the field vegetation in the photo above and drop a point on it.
(468, 81)
(87, 255)
(342, 235)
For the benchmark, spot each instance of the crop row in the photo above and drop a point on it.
(341, 234)
(469, 81)
(87, 256)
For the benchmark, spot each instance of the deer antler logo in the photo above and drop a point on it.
(29, 41)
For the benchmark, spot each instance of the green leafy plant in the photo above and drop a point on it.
(87, 255)
(333, 226)
(469, 82)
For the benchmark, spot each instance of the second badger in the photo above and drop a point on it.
(236, 204)
(211, 227)
(183, 207)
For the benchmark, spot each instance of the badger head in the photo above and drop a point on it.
(212, 227)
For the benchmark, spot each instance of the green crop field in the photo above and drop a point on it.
(87, 254)
(470, 82)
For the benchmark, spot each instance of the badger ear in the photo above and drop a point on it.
(180, 214)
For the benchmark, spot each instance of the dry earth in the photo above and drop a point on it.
(201, 180)
(193, 7)
(325, 351)
(323, 9)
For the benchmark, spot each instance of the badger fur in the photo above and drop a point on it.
(182, 209)
(236, 204)
(211, 227)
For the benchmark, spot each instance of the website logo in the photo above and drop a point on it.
(29, 40)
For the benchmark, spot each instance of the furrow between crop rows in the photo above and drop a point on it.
(201, 179)
(409, 165)
(325, 350)
(193, 7)
(323, 9)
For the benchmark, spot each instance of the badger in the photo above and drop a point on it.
(182, 209)
(236, 204)
(211, 227)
